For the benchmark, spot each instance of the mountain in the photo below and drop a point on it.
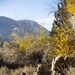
(21, 27)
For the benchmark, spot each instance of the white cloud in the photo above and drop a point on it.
(46, 22)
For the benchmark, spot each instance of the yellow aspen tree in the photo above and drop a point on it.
(60, 41)
(62, 32)
(70, 6)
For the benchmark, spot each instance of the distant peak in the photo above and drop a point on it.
(5, 18)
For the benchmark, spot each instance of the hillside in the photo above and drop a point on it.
(21, 27)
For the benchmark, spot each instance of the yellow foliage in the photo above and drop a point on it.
(60, 41)
(70, 6)
(5, 44)
(23, 42)
(30, 41)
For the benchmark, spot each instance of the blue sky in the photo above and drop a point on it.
(37, 10)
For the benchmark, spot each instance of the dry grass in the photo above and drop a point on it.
(27, 69)
(5, 71)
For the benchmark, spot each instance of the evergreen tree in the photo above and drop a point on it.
(62, 16)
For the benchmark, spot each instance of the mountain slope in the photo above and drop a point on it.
(21, 27)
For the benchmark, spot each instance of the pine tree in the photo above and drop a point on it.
(62, 16)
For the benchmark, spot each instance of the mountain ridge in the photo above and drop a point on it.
(20, 27)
